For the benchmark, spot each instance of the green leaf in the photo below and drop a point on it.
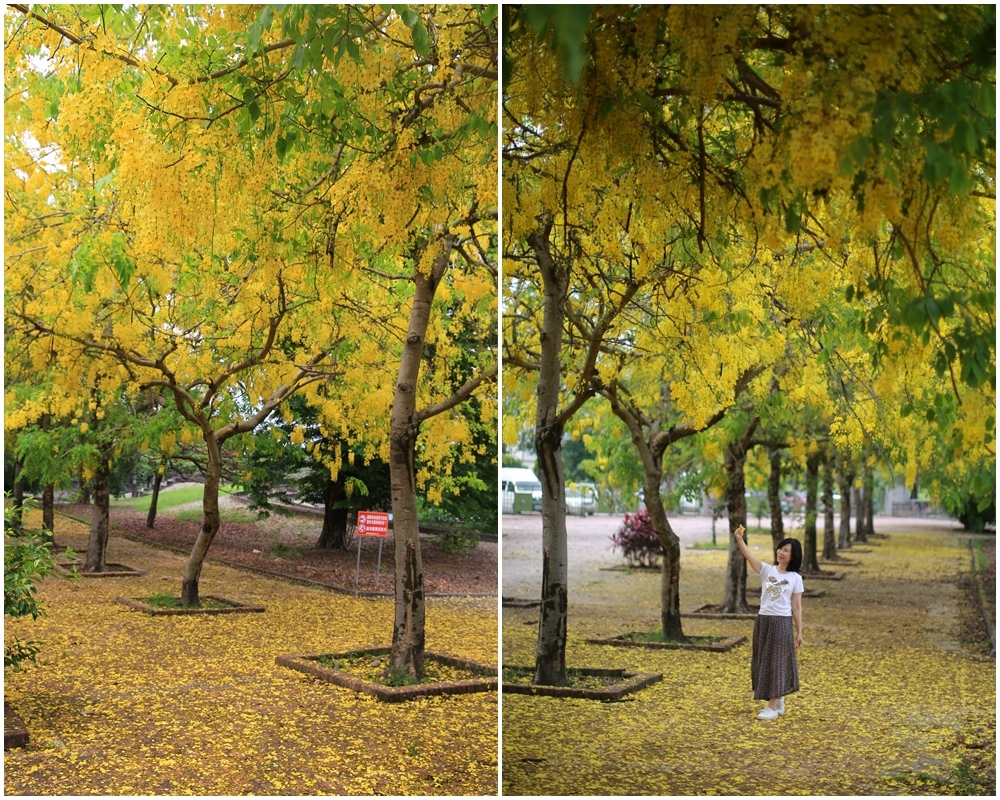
(421, 42)
(352, 50)
(254, 34)
(793, 220)
(408, 15)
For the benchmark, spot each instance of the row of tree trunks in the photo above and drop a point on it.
(734, 600)
(97, 545)
(810, 564)
(774, 497)
(829, 532)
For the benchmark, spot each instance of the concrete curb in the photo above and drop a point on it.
(981, 590)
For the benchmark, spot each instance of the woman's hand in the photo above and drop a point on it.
(798, 641)
(738, 533)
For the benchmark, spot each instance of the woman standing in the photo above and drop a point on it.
(774, 668)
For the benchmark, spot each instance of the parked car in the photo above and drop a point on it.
(581, 498)
(793, 502)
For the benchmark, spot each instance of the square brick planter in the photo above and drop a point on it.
(14, 732)
(232, 607)
(721, 644)
(484, 681)
(626, 683)
(110, 570)
(519, 602)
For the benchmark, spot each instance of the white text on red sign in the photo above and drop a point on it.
(372, 523)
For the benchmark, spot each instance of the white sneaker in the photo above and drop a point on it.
(781, 706)
(767, 713)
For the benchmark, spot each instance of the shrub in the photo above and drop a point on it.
(459, 542)
(638, 541)
(27, 560)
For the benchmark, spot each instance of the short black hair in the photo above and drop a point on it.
(795, 562)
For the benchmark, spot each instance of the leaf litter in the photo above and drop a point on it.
(124, 703)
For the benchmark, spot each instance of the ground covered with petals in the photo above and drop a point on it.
(125, 703)
(895, 698)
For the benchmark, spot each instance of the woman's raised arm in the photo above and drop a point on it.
(754, 563)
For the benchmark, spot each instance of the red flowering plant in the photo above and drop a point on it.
(638, 541)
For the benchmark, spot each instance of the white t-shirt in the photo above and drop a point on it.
(776, 590)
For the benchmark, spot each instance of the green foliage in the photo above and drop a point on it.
(281, 550)
(27, 561)
(459, 541)
(973, 516)
(563, 27)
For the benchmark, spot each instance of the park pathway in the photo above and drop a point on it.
(123, 703)
(892, 700)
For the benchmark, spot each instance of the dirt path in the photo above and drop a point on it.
(591, 556)
(893, 699)
(286, 545)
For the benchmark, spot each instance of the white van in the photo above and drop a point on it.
(517, 481)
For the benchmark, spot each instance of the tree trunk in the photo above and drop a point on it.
(869, 501)
(98, 543)
(829, 534)
(670, 572)
(774, 498)
(48, 496)
(49, 511)
(845, 479)
(17, 518)
(151, 516)
(210, 525)
(734, 600)
(810, 565)
(333, 536)
(550, 650)
(860, 534)
(408, 627)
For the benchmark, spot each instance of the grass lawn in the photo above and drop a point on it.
(169, 498)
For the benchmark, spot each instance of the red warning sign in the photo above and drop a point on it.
(372, 523)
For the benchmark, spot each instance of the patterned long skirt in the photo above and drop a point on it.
(774, 668)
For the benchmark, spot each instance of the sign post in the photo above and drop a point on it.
(371, 523)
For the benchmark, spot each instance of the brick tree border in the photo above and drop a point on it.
(310, 665)
(154, 611)
(629, 682)
(15, 734)
(725, 643)
(110, 571)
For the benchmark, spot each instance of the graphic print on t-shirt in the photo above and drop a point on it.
(774, 588)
